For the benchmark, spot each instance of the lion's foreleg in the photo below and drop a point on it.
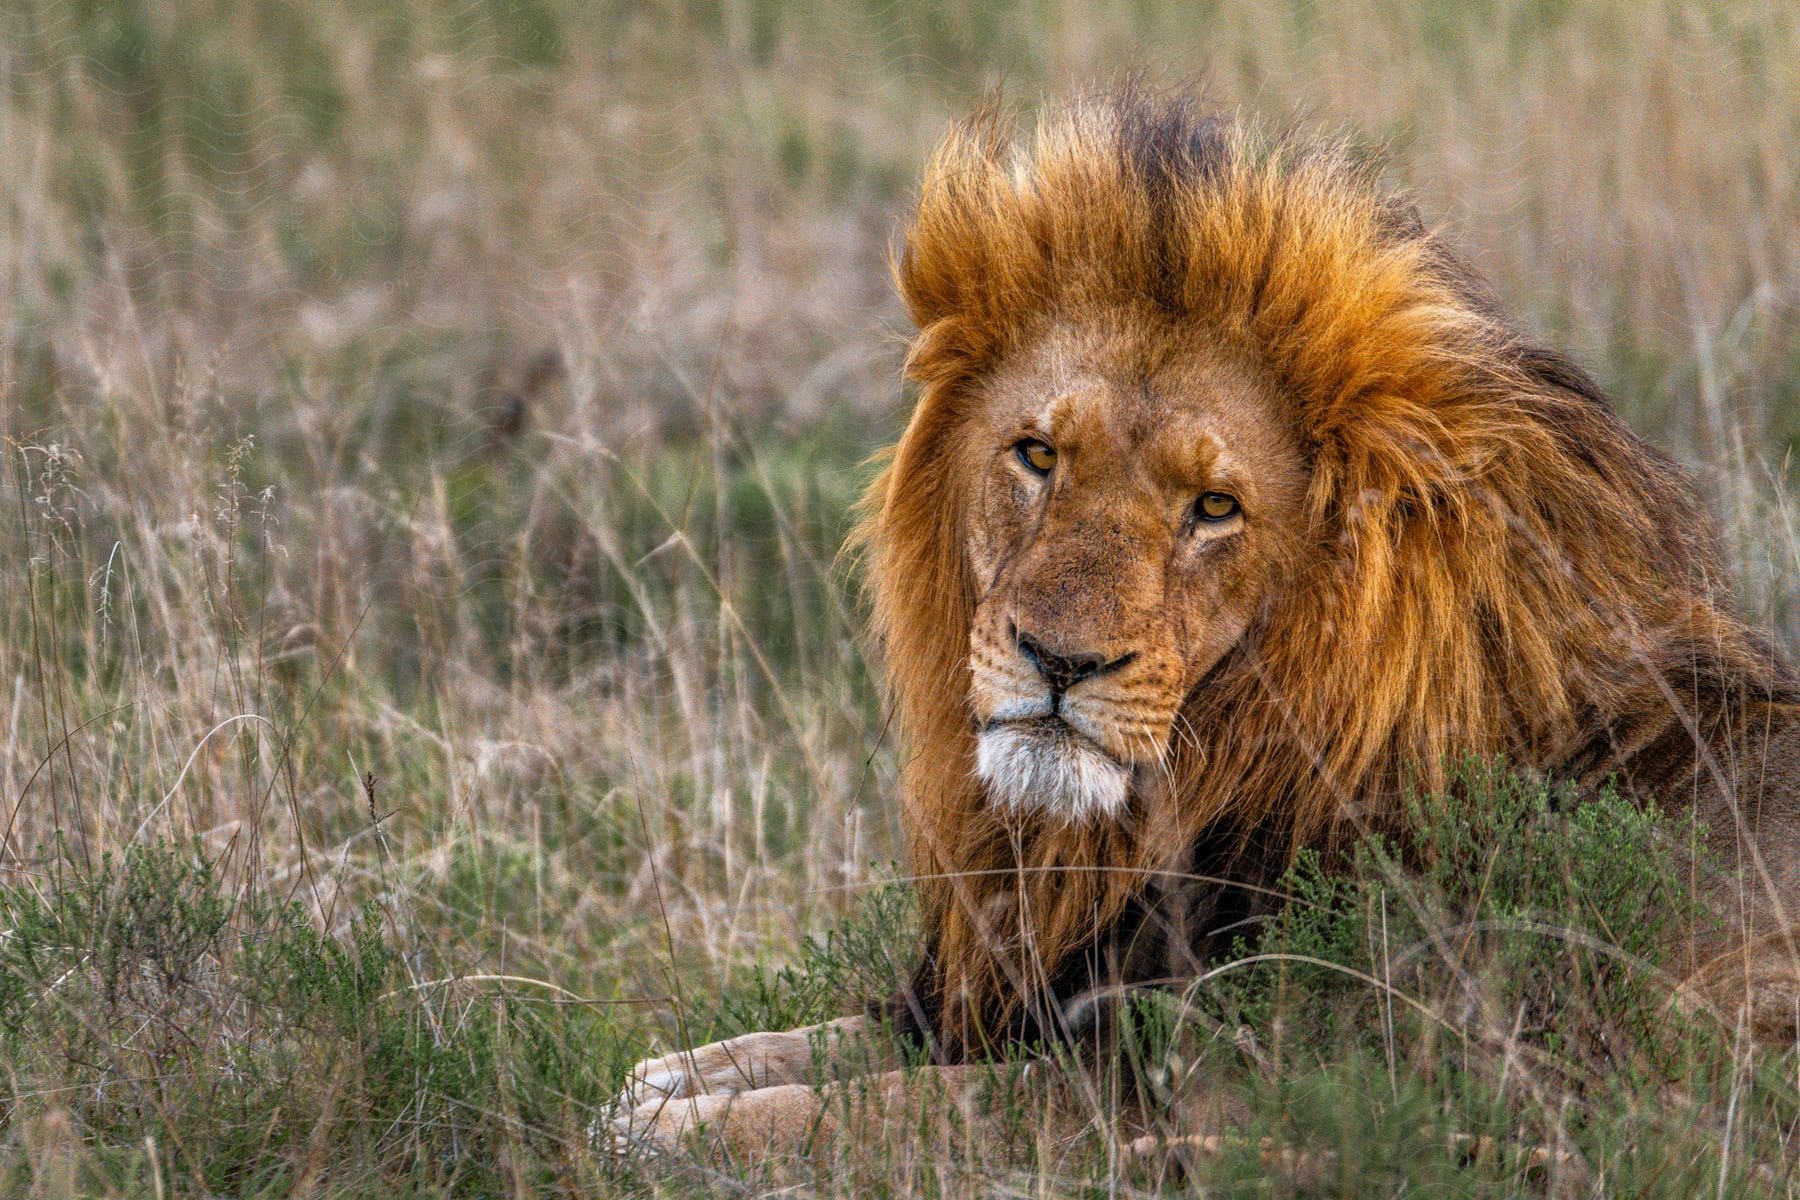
(793, 1118)
(810, 1054)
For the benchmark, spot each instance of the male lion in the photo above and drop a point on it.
(1231, 505)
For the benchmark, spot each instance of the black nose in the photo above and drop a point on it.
(1064, 671)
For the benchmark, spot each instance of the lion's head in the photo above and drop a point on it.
(1230, 503)
(1136, 494)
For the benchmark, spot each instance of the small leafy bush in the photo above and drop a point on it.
(1487, 1003)
(150, 1004)
(860, 961)
(1511, 903)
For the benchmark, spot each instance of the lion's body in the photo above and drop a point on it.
(1463, 550)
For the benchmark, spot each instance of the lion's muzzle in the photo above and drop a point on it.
(1075, 655)
(1052, 740)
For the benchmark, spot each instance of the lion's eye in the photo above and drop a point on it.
(1216, 506)
(1036, 455)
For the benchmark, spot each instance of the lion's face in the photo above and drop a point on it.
(1134, 504)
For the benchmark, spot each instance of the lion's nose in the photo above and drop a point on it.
(1064, 671)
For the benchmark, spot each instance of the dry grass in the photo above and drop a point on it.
(290, 498)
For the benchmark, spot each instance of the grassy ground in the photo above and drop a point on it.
(426, 677)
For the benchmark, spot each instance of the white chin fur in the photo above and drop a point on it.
(1031, 768)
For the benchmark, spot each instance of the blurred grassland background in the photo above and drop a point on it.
(449, 414)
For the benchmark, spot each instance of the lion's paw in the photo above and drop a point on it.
(658, 1125)
(725, 1068)
(755, 1124)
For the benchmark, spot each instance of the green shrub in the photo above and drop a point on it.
(147, 999)
(1487, 1001)
(860, 961)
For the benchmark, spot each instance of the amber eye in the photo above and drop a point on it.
(1036, 455)
(1216, 506)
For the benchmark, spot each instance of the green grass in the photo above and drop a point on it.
(1487, 1012)
(210, 1038)
(290, 499)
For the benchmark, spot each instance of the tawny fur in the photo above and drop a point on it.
(1495, 563)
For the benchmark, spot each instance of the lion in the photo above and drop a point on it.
(1231, 506)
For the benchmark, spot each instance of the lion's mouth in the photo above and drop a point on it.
(1050, 727)
(1043, 764)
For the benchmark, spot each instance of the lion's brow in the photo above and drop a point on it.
(1196, 450)
(1056, 416)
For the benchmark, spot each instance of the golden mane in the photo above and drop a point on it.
(1499, 565)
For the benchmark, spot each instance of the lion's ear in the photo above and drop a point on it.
(943, 273)
(943, 251)
(973, 245)
(930, 293)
